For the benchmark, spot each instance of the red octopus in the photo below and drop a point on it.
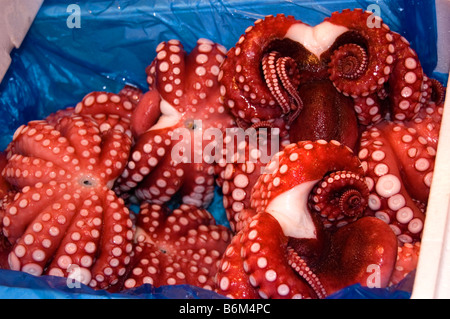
(172, 124)
(176, 247)
(376, 67)
(313, 249)
(64, 219)
(324, 82)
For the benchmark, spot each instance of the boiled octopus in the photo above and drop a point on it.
(172, 123)
(311, 201)
(177, 247)
(64, 219)
(375, 67)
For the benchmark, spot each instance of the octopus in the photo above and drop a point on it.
(64, 219)
(338, 81)
(376, 68)
(176, 247)
(313, 249)
(176, 124)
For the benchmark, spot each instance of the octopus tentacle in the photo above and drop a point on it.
(30, 202)
(340, 198)
(301, 267)
(198, 188)
(278, 69)
(395, 179)
(114, 256)
(178, 247)
(146, 155)
(349, 61)
(234, 283)
(370, 109)
(407, 259)
(31, 254)
(260, 257)
(437, 91)
(78, 248)
(253, 102)
(110, 110)
(406, 81)
(133, 93)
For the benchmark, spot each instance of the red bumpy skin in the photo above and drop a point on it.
(5, 196)
(398, 158)
(64, 219)
(171, 123)
(307, 231)
(176, 247)
(244, 160)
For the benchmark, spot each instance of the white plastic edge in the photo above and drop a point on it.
(16, 18)
(432, 279)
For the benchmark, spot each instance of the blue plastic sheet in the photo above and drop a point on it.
(57, 65)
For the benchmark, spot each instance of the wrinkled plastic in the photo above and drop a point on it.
(57, 65)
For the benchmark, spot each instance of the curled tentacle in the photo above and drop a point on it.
(350, 61)
(282, 78)
(361, 63)
(340, 198)
(437, 94)
(259, 77)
